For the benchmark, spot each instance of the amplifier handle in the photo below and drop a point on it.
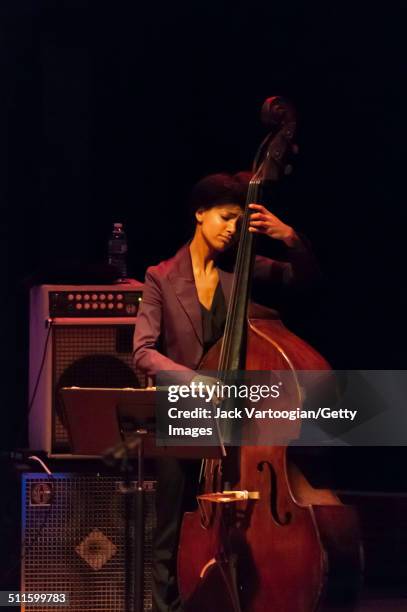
(93, 321)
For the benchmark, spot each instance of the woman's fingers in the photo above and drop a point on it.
(258, 207)
(259, 222)
(264, 222)
(258, 217)
(262, 213)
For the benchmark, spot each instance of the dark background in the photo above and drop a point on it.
(112, 110)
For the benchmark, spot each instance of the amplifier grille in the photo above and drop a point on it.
(74, 540)
(90, 356)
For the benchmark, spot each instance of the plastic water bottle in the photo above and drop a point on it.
(118, 250)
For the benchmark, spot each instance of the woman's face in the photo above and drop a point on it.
(220, 225)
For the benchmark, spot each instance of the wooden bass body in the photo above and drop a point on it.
(292, 548)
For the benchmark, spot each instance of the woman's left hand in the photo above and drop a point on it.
(264, 222)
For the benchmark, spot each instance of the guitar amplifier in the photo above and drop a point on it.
(74, 540)
(79, 336)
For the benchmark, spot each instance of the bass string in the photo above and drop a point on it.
(236, 287)
(243, 258)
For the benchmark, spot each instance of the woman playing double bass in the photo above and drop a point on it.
(183, 314)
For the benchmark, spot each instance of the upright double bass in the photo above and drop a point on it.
(262, 538)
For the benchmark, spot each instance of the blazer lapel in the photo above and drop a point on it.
(183, 283)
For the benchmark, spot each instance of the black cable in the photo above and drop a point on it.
(44, 354)
(19, 432)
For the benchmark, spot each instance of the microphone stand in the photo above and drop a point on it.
(133, 517)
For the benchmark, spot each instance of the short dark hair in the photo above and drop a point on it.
(220, 188)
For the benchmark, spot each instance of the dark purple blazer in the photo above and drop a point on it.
(168, 334)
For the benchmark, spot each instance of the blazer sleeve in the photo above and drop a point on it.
(299, 271)
(147, 335)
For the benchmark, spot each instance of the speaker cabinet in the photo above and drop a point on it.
(73, 540)
(79, 336)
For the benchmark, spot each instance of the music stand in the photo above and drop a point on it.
(96, 422)
(94, 418)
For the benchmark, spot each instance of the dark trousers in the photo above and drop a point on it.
(177, 483)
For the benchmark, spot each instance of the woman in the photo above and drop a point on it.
(182, 315)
